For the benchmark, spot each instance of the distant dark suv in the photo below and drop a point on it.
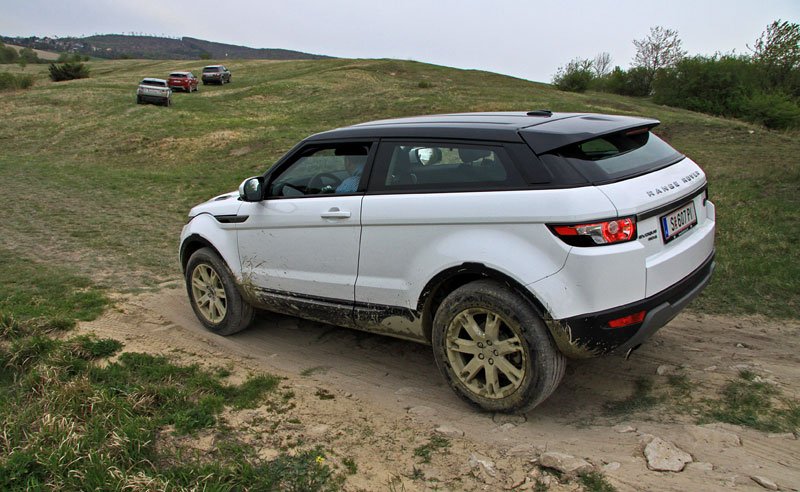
(216, 74)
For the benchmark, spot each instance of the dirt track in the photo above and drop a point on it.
(388, 398)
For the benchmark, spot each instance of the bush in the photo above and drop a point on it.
(8, 54)
(575, 77)
(715, 85)
(9, 81)
(71, 57)
(68, 71)
(777, 111)
(634, 82)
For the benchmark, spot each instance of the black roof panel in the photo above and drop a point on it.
(542, 133)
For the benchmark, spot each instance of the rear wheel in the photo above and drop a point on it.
(213, 294)
(494, 349)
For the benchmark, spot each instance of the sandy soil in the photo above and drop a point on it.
(375, 400)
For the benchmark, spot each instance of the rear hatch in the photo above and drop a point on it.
(664, 191)
(154, 88)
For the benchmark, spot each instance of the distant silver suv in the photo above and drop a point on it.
(508, 242)
(155, 91)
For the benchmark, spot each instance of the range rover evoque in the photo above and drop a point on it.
(509, 242)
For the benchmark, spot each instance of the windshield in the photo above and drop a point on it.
(154, 83)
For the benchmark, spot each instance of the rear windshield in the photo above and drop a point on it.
(212, 69)
(619, 155)
(154, 83)
(177, 75)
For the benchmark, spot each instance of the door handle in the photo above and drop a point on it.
(335, 213)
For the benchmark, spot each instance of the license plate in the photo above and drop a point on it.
(678, 221)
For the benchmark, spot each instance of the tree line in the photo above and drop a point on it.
(762, 87)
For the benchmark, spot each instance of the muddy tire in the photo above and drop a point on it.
(493, 348)
(214, 296)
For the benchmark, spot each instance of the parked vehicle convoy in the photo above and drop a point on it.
(155, 91)
(509, 242)
(216, 74)
(185, 81)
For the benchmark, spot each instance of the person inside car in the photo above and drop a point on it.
(354, 164)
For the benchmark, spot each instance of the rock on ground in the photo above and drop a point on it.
(449, 431)
(665, 456)
(482, 462)
(565, 463)
(765, 482)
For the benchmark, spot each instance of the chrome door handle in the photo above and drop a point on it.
(335, 213)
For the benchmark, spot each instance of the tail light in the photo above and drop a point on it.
(597, 233)
(624, 321)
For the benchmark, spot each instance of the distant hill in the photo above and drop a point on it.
(43, 55)
(117, 46)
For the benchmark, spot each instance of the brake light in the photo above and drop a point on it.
(631, 319)
(597, 233)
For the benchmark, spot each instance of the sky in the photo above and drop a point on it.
(529, 39)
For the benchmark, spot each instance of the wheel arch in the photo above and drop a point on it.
(446, 281)
(192, 244)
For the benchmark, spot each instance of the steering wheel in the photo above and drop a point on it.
(322, 180)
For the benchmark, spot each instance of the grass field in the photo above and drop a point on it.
(100, 186)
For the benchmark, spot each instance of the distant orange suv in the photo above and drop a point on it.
(185, 81)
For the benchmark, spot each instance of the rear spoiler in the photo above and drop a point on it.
(544, 137)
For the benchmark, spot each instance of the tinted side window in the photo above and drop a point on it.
(322, 170)
(422, 166)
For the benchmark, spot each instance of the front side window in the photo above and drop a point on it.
(430, 167)
(322, 170)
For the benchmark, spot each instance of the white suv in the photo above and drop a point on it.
(155, 91)
(507, 241)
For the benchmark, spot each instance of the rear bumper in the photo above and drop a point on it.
(590, 336)
(155, 99)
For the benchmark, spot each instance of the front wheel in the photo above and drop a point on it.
(213, 294)
(494, 349)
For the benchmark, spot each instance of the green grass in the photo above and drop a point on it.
(435, 443)
(748, 400)
(104, 184)
(68, 423)
(595, 482)
(751, 402)
(31, 288)
(641, 398)
(71, 424)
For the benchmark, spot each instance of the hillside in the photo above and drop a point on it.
(157, 48)
(99, 157)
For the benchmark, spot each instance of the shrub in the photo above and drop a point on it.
(634, 82)
(68, 71)
(715, 85)
(9, 81)
(575, 77)
(777, 111)
(8, 54)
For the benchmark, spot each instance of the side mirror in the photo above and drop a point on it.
(252, 189)
(426, 156)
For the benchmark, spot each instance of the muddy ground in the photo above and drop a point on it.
(376, 400)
